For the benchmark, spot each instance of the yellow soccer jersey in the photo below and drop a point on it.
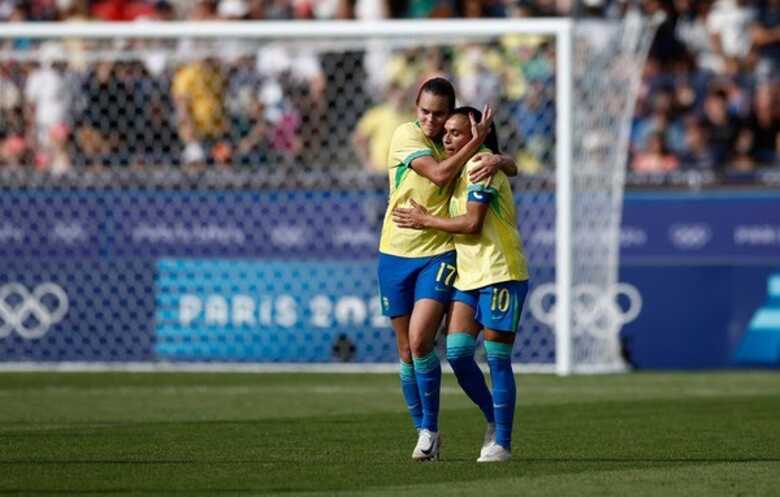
(407, 144)
(496, 254)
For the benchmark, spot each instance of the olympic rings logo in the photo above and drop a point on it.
(597, 312)
(690, 236)
(31, 314)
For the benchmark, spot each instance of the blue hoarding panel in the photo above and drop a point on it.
(84, 309)
(290, 276)
(265, 310)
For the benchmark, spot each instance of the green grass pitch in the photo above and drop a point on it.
(632, 435)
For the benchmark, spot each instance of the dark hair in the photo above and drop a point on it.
(440, 87)
(491, 140)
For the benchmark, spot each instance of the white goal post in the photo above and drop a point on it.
(596, 76)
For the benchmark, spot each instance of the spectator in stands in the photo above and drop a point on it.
(293, 96)
(13, 142)
(149, 136)
(371, 137)
(711, 84)
(692, 33)
(276, 10)
(764, 124)
(421, 9)
(232, 10)
(765, 34)
(654, 158)
(7, 8)
(696, 154)
(204, 10)
(250, 129)
(126, 121)
(48, 94)
(164, 10)
(478, 71)
(722, 126)
(538, 8)
(741, 160)
(121, 10)
(410, 67)
(319, 9)
(534, 117)
(728, 24)
(93, 142)
(73, 10)
(198, 90)
(689, 85)
(656, 122)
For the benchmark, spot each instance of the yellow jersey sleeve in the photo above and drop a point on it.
(409, 143)
(481, 191)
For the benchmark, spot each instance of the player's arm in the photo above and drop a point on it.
(486, 165)
(764, 35)
(445, 171)
(417, 217)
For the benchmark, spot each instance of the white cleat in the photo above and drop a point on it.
(490, 438)
(495, 453)
(428, 445)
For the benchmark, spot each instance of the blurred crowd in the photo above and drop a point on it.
(709, 99)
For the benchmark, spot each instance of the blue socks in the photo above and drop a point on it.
(499, 357)
(411, 393)
(428, 372)
(421, 384)
(460, 354)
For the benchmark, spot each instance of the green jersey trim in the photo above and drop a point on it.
(402, 169)
(416, 155)
(400, 172)
(495, 206)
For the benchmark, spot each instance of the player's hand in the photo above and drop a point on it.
(412, 217)
(485, 166)
(480, 129)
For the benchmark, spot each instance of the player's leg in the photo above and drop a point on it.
(433, 291)
(499, 311)
(423, 325)
(462, 331)
(409, 386)
(498, 347)
(396, 289)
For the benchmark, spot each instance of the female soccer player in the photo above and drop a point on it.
(491, 283)
(417, 268)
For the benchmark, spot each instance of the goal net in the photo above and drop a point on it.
(213, 193)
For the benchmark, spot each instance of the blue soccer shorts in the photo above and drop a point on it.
(496, 307)
(405, 280)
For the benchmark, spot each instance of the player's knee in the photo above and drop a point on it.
(460, 346)
(421, 350)
(420, 347)
(499, 354)
(405, 355)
